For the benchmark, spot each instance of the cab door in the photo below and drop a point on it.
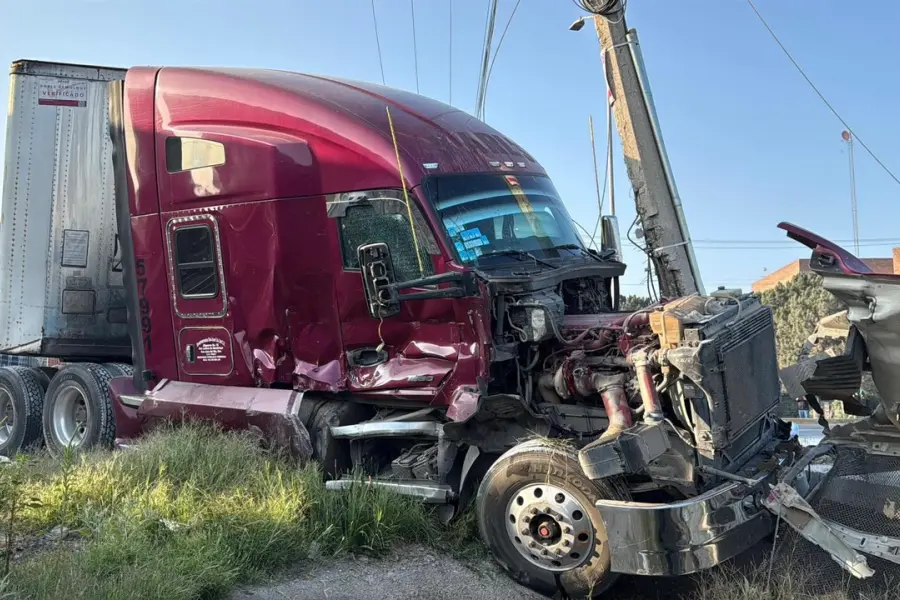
(417, 349)
(202, 335)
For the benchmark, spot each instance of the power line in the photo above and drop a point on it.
(496, 52)
(733, 241)
(377, 42)
(450, 52)
(412, 10)
(820, 94)
(701, 247)
(486, 55)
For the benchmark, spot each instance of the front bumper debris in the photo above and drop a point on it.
(787, 503)
(684, 537)
(844, 544)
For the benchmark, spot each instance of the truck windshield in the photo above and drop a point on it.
(497, 214)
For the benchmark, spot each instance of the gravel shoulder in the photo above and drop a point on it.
(416, 573)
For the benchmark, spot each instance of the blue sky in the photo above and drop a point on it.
(749, 142)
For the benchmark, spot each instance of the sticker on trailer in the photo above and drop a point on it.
(75, 248)
(53, 91)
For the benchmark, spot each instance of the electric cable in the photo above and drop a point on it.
(603, 8)
(450, 53)
(378, 42)
(790, 243)
(496, 52)
(821, 95)
(485, 59)
(605, 183)
(412, 10)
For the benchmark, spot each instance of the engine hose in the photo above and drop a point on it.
(640, 359)
(547, 390)
(643, 317)
(612, 392)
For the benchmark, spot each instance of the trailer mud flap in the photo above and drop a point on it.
(787, 503)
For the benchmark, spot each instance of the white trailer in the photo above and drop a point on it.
(61, 291)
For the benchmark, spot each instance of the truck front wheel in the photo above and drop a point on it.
(536, 513)
(78, 409)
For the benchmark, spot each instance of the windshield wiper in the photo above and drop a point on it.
(584, 251)
(520, 254)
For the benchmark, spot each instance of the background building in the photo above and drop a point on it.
(791, 270)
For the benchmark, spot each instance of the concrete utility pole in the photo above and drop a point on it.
(658, 204)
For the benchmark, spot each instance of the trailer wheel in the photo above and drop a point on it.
(21, 397)
(536, 513)
(78, 409)
(42, 378)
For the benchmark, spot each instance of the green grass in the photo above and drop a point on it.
(193, 512)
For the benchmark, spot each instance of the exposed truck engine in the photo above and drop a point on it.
(605, 422)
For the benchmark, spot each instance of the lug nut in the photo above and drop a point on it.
(526, 519)
(559, 552)
(567, 543)
(534, 511)
(525, 531)
(544, 552)
(532, 545)
(567, 530)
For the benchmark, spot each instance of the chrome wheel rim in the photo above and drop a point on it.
(70, 415)
(7, 416)
(550, 527)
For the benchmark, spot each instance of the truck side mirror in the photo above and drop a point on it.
(609, 235)
(378, 276)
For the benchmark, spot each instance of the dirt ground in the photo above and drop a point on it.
(420, 574)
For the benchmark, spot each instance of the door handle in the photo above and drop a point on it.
(190, 353)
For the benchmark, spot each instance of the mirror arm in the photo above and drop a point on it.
(431, 280)
(454, 292)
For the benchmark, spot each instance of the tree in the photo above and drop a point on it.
(797, 306)
(632, 303)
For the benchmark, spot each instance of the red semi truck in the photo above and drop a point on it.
(240, 245)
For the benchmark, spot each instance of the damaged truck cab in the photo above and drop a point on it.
(385, 283)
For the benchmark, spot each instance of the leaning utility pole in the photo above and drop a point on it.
(658, 204)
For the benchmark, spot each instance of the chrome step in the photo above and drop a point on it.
(428, 491)
(381, 429)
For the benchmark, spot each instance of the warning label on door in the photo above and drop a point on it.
(211, 349)
(62, 92)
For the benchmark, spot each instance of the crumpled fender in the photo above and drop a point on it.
(873, 301)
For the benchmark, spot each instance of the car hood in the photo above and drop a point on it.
(873, 303)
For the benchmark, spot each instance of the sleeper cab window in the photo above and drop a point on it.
(195, 263)
(186, 154)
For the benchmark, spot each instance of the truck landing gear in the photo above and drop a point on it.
(536, 513)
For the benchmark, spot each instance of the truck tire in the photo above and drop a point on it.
(536, 513)
(21, 398)
(78, 409)
(319, 417)
(119, 369)
(43, 380)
